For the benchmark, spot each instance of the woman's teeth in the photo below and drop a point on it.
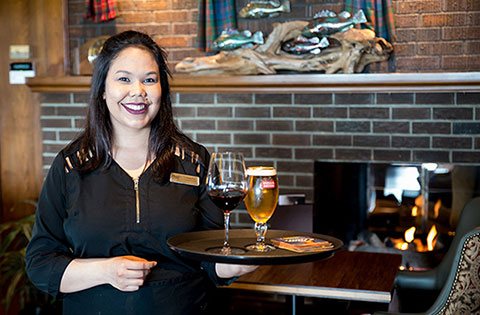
(135, 106)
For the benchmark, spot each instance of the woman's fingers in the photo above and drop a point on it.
(249, 268)
(137, 263)
(232, 270)
(132, 274)
(129, 272)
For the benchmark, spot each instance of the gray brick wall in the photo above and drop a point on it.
(290, 131)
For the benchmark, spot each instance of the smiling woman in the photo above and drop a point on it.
(113, 184)
(133, 96)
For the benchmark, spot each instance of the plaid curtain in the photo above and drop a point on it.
(214, 16)
(100, 10)
(379, 14)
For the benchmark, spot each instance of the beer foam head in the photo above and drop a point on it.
(261, 171)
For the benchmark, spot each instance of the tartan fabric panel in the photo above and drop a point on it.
(379, 14)
(214, 16)
(100, 10)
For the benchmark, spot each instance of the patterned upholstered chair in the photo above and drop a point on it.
(461, 293)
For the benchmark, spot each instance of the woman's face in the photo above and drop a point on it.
(133, 90)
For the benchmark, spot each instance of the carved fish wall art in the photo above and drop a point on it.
(327, 24)
(303, 45)
(262, 9)
(232, 39)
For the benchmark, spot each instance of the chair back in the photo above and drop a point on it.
(461, 292)
(469, 219)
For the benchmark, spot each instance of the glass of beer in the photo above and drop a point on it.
(261, 201)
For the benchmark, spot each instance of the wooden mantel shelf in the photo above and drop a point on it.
(290, 83)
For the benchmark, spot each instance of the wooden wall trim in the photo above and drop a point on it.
(66, 84)
(288, 83)
(39, 24)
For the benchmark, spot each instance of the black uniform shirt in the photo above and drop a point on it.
(105, 214)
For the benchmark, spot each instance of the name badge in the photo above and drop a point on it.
(184, 179)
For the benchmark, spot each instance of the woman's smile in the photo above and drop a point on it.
(135, 108)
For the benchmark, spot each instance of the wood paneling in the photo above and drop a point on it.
(40, 24)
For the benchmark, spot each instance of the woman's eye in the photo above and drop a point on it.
(150, 80)
(124, 79)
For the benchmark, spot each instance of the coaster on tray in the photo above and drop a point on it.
(302, 244)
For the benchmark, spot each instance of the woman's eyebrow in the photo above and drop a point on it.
(123, 71)
(128, 72)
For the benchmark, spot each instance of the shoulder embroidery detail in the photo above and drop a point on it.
(76, 159)
(194, 157)
(69, 165)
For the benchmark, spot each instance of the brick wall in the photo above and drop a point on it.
(433, 35)
(290, 131)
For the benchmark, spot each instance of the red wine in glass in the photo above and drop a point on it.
(227, 201)
(226, 187)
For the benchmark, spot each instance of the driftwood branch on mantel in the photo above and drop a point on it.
(356, 49)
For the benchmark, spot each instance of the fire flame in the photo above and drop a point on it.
(419, 201)
(403, 246)
(418, 208)
(431, 238)
(414, 211)
(410, 242)
(410, 234)
(436, 208)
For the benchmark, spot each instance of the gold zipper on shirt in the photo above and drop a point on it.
(137, 199)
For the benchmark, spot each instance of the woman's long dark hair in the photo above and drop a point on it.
(95, 142)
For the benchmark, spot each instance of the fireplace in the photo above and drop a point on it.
(393, 206)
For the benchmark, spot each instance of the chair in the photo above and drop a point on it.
(427, 284)
(461, 292)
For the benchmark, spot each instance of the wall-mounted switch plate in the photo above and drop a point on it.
(20, 71)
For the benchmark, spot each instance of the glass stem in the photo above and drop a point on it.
(260, 231)
(226, 222)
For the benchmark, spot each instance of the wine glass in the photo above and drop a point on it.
(261, 201)
(226, 186)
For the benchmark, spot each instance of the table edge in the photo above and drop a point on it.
(319, 292)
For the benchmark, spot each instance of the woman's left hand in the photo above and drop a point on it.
(231, 270)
